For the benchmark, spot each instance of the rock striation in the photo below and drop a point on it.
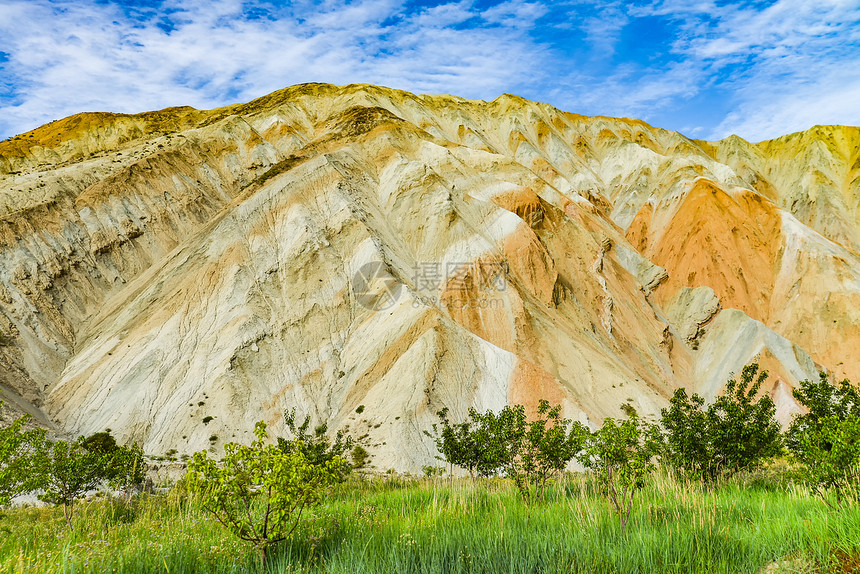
(328, 247)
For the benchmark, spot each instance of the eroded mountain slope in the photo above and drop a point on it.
(328, 247)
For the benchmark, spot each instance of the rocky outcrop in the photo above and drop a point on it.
(329, 247)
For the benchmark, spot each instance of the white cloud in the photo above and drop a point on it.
(794, 63)
(766, 116)
(515, 13)
(93, 57)
(779, 68)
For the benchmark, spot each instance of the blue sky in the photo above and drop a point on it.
(706, 68)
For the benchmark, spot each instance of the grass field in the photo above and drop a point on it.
(411, 526)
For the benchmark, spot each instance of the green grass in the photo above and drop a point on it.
(402, 526)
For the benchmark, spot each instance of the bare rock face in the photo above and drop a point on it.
(329, 247)
(690, 310)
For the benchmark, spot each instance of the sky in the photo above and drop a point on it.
(706, 68)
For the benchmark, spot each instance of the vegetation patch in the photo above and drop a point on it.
(762, 502)
(395, 525)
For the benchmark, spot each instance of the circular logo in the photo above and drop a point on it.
(374, 287)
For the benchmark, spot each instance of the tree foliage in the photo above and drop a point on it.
(508, 443)
(461, 445)
(125, 468)
(734, 433)
(360, 457)
(259, 492)
(64, 470)
(122, 466)
(318, 448)
(499, 439)
(101, 443)
(551, 443)
(622, 454)
(527, 451)
(826, 439)
(18, 448)
(67, 470)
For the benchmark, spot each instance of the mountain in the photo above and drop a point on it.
(177, 275)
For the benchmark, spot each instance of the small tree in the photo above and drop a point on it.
(529, 452)
(826, 439)
(259, 492)
(101, 443)
(689, 444)
(67, 470)
(18, 447)
(735, 433)
(360, 457)
(318, 448)
(123, 466)
(551, 443)
(621, 452)
(457, 443)
(126, 468)
(501, 440)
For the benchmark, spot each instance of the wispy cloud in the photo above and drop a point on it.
(65, 57)
(712, 68)
(785, 67)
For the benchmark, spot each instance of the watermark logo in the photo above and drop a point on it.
(465, 284)
(374, 286)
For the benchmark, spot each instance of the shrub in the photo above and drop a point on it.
(551, 443)
(102, 443)
(259, 492)
(529, 452)
(432, 471)
(621, 452)
(827, 438)
(122, 466)
(499, 440)
(67, 470)
(457, 443)
(125, 468)
(360, 457)
(732, 434)
(317, 447)
(17, 450)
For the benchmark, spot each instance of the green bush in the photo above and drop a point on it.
(550, 444)
(529, 452)
(122, 466)
(318, 448)
(18, 447)
(66, 471)
(458, 445)
(622, 454)
(126, 469)
(826, 439)
(102, 443)
(360, 457)
(735, 433)
(259, 492)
